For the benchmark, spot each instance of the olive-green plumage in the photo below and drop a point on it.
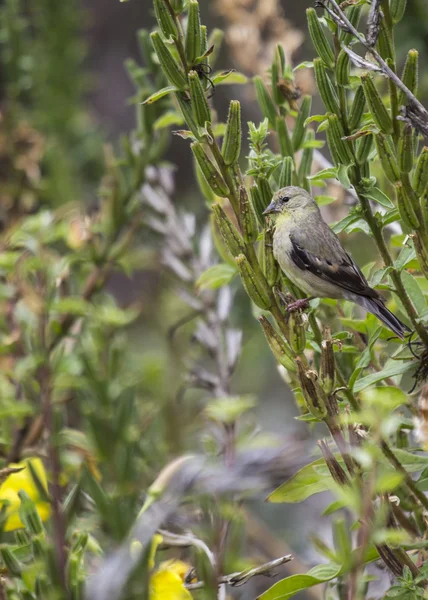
(312, 257)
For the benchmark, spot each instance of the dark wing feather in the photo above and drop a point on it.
(340, 271)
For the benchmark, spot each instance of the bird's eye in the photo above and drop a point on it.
(285, 199)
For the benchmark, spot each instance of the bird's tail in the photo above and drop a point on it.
(378, 308)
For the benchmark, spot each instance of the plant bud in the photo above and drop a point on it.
(385, 150)
(247, 217)
(12, 564)
(231, 148)
(193, 33)
(201, 110)
(377, 108)
(167, 62)
(299, 126)
(297, 324)
(265, 101)
(343, 68)
(209, 171)
(187, 112)
(286, 174)
(319, 39)
(405, 207)
(410, 76)
(177, 6)
(257, 202)
(276, 75)
(204, 42)
(270, 266)
(327, 368)
(364, 146)
(357, 108)
(325, 88)
(278, 346)
(256, 288)
(285, 143)
(306, 160)
(204, 187)
(420, 177)
(397, 9)
(336, 470)
(354, 15)
(313, 394)
(265, 191)
(384, 43)
(164, 18)
(340, 149)
(232, 238)
(405, 150)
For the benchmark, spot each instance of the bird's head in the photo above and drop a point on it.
(290, 200)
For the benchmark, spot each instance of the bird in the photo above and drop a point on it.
(312, 257)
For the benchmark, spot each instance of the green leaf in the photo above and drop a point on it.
(74, 305)
(387, 397)
(288, 587)
(313, 144)
(315, 118)
(307, 64)
(414, 291)
(406, 255)
(342, 175)
(229, 409)
(392, 369)
(378, 196)
(345, 222)
(216, 276)
(324, 200)
(160, 94)
(302, 485)
(228, 77)
(171, 117)
(330, 173)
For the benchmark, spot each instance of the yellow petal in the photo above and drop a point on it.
(167, 585)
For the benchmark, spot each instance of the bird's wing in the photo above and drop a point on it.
(337, 267)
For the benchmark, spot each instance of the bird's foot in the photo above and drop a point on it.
(300, 304)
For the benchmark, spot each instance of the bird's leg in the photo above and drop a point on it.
(300, 304)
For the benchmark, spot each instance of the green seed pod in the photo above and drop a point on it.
(319, 39)
(410, 76)
(270, 266)
(265, 101)
(204, 42)
(247, 217)
(313, 394)
(385, 150)
(265, 191)
(364, 146)
(201, 110)
(193, 33)
(405, 150)
(327, 367)
(384, 43)
(343, 68)
(284, 140)
(378, 110)
(297, 324)
(405, 207)
(230, 234)
(231, 148)
(354, 14)
(420, 177)
(204, 187)
(357, 109)
(39, 549)
(177, 6)
(257, 202)
(169, 66)
(325, 88)
(13, 566)
(424, 206)
(397, 9)
(256, 288)
(164, 18)
(146, 48)
(299, 126)
(285, 177)
(215, 41)
(306, 161)
(278, 345)
(340, 149)
(209, 171)
(187, 112)
(276, 75)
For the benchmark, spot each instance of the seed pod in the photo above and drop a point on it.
(265, 191)
(164, 18)
(265, 101)
(230, 234)
(285, 177)
(377, 108)
(385, 150)
(420, 177)
(146, 48)
(306, 161)
(231, 148)
(285, 143)
(204, 42)
(187, 112)
(405, 207)
(169, 66)
(397, 9)
(201, 110)
(299, 126)
(319, 39)
(177, 5)
(384, 43)
(325, 88)
(256, 288)
(193, 33)
(276, 75)
(247, 217)
(410, 76)
(336, 470)
(364, 146)
(405, 150)
(297, 324)
(340, 149)
(13, 566)
(313, 394)
(204, 187)
(354, 15)
(357, 108)
(327, 367)
(278, 346)
(270, 266)
(209, 171)
(257, 202)
(343, 68)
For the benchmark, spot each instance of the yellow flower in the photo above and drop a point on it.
(23, 481)
(167, 583)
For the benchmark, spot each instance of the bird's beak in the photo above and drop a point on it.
(272, 208)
